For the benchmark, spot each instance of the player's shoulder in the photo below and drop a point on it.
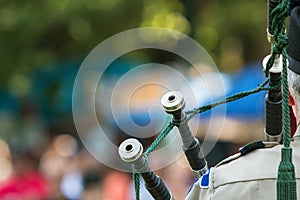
(255, 161)
(255, 165)
(250, 152)
(259, 152)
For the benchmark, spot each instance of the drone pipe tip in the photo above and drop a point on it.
(173, 103)
(131, 151)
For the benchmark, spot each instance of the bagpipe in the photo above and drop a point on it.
(277, 117)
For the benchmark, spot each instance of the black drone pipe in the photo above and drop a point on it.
(271, 5)
(273, 101)
(131, 151)
(173, 103)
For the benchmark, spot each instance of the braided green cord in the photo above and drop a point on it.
(136, 182)
(231, 98)
(286, 182)
(159, 138)
(279, 15)
(285, 104)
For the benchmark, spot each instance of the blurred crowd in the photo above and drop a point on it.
(44, 166)
(61, 168)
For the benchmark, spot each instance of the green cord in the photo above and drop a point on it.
(136, 182)
(286, 182)
(231, 98)
(159, 138)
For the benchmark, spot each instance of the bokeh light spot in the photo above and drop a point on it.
(65, 145)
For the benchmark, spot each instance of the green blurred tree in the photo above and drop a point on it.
(35, 33)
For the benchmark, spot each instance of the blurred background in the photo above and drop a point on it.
(42, 45)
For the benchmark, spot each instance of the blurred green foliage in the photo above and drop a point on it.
(35, 33)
